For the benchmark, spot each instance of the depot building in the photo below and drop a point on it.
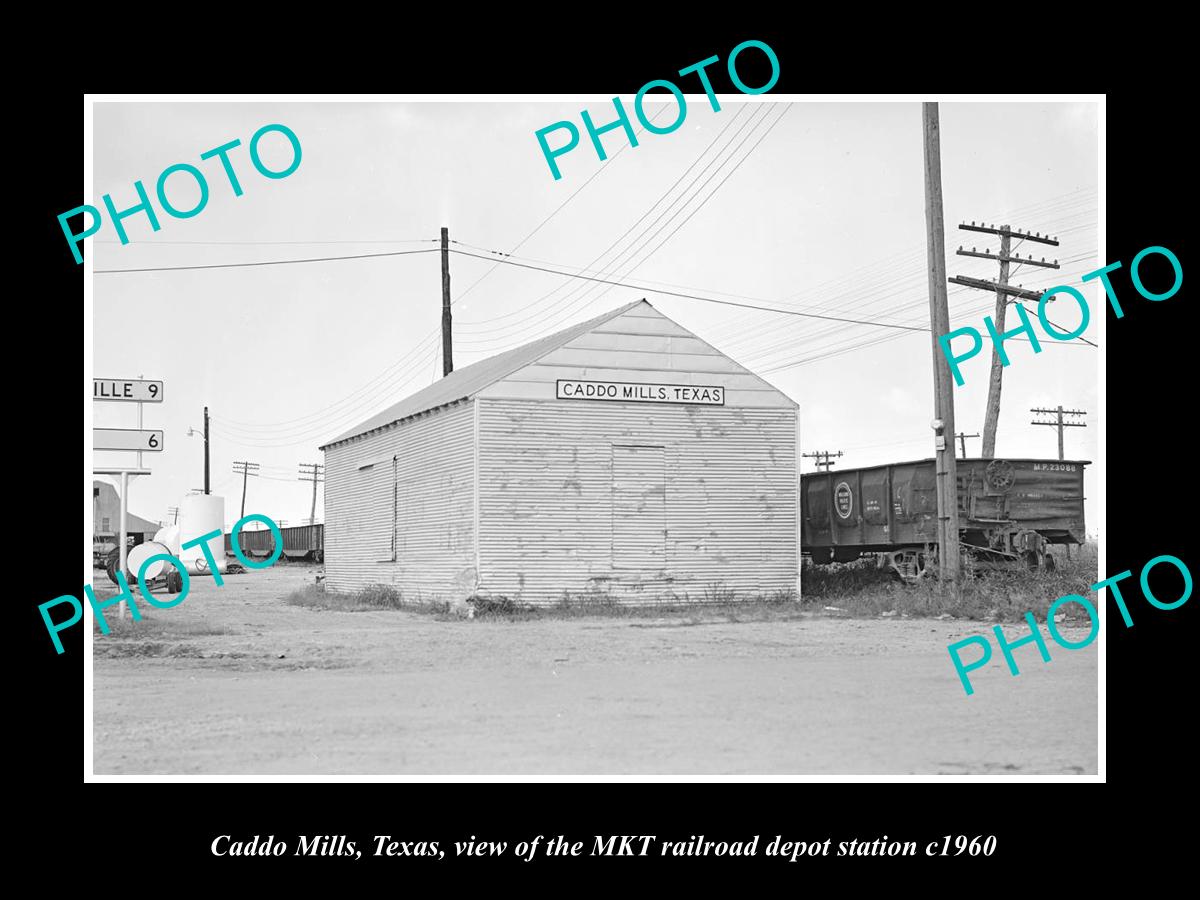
(622, 459)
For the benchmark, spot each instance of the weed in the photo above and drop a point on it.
(157, 628)
(372, 597)
(717, 592)
(861, 588)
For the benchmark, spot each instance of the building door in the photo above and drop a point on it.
(639, 508)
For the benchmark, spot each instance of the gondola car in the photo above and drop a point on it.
(299, 542)
(1010, 511)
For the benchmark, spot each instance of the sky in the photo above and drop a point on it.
(815, 208)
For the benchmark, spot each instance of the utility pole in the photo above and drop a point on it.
(447, 350)
(824, 458)
(206, 479)
(992, 414)
(962, 442)
(190, 433)
(314, 472)
(173, 511)
(939, 322)
(245, 469)
(1059, 422)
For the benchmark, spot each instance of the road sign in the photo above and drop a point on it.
(130, 390)
(126, 439)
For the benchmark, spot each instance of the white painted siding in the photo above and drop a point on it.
(549, 491)
(434, 475)
(639, 346)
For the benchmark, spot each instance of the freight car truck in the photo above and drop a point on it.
(1010, 511)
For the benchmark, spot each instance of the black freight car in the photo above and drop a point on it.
(299, 542)
(1009, 511)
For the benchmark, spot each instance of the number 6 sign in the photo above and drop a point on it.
(126, 439)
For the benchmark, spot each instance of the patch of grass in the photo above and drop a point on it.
(157, 628)
(717, 592)
(372, 597)
(496, 606)
(715, 603)
(862, 589)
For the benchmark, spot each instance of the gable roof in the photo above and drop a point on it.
(134, 524)
(464, 383)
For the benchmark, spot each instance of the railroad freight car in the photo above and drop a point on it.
(299, 542)
(1009, 511)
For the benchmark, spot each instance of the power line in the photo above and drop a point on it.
(621, 237)
(914, 261)
(558, 208)
(789, 343)
(636, 287)
(273, 262)
(635, 249)
(317, 414)
(261, 440)
(268, 243)
(887, 284)
(823, 458)
(1061, 330)
(720, 162)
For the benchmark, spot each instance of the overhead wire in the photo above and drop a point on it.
(269, 262)
(471, 327)
(604, 166)
(248, 435)
(723, 156)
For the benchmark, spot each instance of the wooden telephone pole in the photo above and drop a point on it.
(206, 479)
(314, 472)
(939, 322)
(1059, 422)
(447, 348)
(245, 469)
(962, 441)
(992, 415)
(824, 458)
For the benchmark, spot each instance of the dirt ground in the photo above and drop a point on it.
(234, 681)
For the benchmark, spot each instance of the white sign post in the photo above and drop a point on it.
(126, 390)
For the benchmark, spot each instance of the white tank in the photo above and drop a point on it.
(169, 536)
(143, 552)
(199, 514)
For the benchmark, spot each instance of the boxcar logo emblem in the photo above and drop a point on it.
(843, 500)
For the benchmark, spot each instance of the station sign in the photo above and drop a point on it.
(630, 392)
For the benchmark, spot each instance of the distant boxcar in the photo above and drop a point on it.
(299, 542)
(1009, 511)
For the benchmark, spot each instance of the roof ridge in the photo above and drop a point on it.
(439, 396)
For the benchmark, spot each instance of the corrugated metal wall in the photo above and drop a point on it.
(556, 513)
(430, 486)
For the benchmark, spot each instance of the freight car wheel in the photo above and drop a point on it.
(1049, 563)
(319, 556)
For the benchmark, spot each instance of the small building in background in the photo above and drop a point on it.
(106, 507)
(623, 460)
